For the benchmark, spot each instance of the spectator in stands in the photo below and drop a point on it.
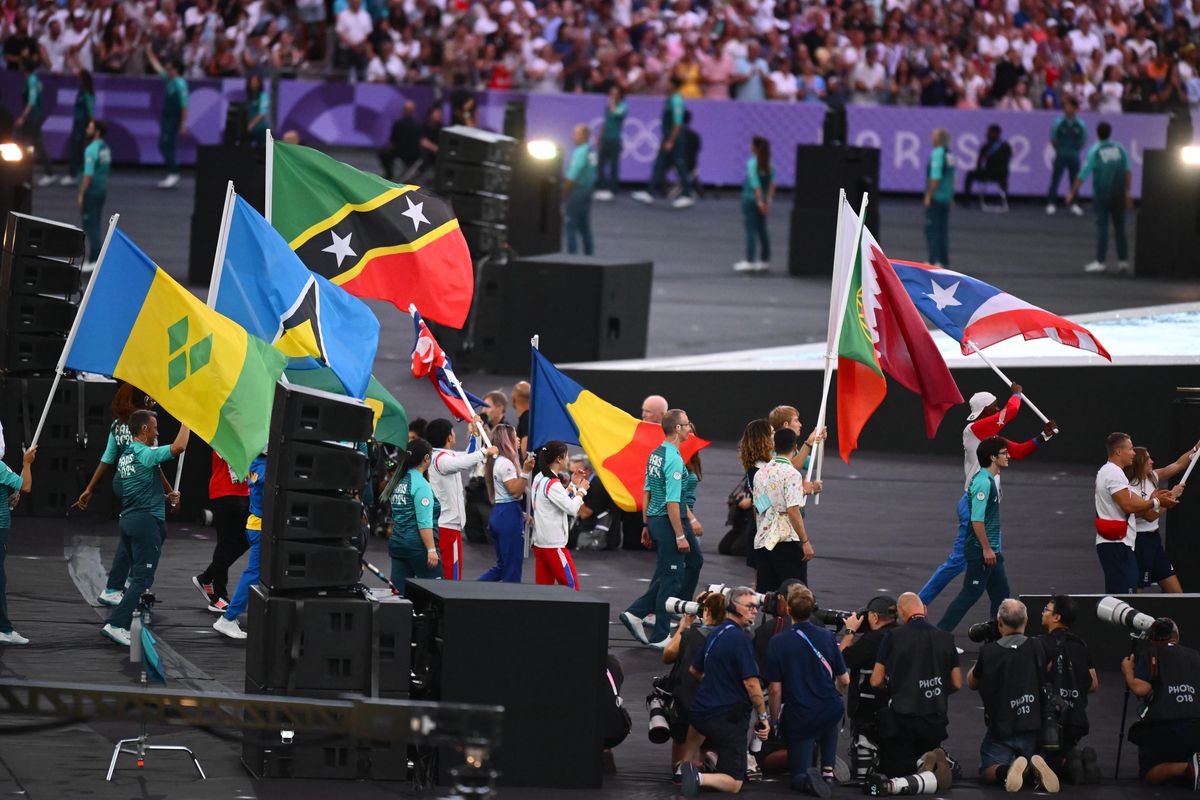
(354, 27)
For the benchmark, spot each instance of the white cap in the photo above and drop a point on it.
(980, 401)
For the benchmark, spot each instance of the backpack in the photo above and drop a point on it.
(615, 720)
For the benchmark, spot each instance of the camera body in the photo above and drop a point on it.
(983, 632)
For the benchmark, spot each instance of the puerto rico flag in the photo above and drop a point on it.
(429, 360)
(971, 311)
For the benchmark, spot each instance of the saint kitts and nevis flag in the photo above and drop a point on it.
(371, 237)
(617, 444)
(882, 332)
(137, 324)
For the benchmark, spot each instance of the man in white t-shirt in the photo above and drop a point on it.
(1115, 507)
(353, 27)
(1084, 40)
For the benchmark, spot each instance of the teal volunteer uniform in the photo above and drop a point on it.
(611, 145)
(97, 160)
(9, 482)
(175, 100)
(1068, 136)
(414, 508)
(984, 494)
(143, 522)
(260, 106)
(665, 473)
(31, 128)
(581, 171)
(760, 181)
(937, 215)
(83, 113)
(1106, 164)
(672, 119)
(119, 439)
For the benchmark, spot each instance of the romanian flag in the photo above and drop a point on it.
(137, 324)
(617, 444)
(391, 421)
(371, 237)
(882, 332)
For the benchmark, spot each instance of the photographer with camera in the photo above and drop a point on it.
(1166, 676)
(807, 677)
(860, 639)
(682, 649)
(729, 687)
(1008, 679)
(919, 666)
(781, 544)
(1068, 674)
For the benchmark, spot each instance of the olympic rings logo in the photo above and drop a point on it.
(639, 140)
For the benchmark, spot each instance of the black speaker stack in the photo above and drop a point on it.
(473, 171)
(539, 651)
(40, 287)
(1168, 224)
(821, 170)
(216, 165)
(313, 631)
(613, 324)
(1179, 526)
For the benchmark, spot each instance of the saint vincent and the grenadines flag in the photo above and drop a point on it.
(139, 325)
(882, 332)
(265, 288)
(372, 237)
(617, 444)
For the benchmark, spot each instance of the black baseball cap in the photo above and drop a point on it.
(882, 605)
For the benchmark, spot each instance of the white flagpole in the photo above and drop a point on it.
(412, 310)
(979, 352)
(214, 284)
(270, 171)
(837, 305)
(533, 343)
(62, 359)
(1190, 467)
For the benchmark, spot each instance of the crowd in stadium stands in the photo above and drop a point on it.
(1112, 55)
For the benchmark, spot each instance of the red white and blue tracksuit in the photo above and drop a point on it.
(553, 504)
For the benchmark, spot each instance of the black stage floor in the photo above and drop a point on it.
(882, 526)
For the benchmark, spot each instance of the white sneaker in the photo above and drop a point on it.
(745, 266)
(603, 195)
(115, 634)
(229, 627)
(661, 645)
(169, 182)
(684, 202)
(642, 196)
(1123, 268)
(111, 597)
(634, 625)
(761, 266)
(1094, 266)
(12, 637)
(67, 181)
(1076, 210)
(1050, 209)
(46, 180)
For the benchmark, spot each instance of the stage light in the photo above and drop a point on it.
(1190, 154)
(10, 151)
(542, 149)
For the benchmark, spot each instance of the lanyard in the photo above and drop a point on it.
(824, 661)
(713, 640)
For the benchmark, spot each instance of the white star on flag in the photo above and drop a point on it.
(415, 213)
(943, 297)
(340, 247)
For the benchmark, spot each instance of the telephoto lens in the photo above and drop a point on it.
(660, 727)
(832, 617)
(1119, 613)
(982, 632)
(679, 607)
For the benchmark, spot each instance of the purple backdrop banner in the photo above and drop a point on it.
(361, 115)
(131, 107)
(902, 135)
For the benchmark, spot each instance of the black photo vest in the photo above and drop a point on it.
(919, 667)
(1010, 685)
(1175, 685)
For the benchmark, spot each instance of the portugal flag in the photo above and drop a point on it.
(371, 237)
(882, 332)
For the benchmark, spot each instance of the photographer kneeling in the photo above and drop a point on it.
(860, 642)
(1009, 680)
(729, 685)
(806, 672)
(1166, 675)
(919, 666)
(681, 650)
(1069, 675)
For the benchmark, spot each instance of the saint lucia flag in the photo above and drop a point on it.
(266, 289)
